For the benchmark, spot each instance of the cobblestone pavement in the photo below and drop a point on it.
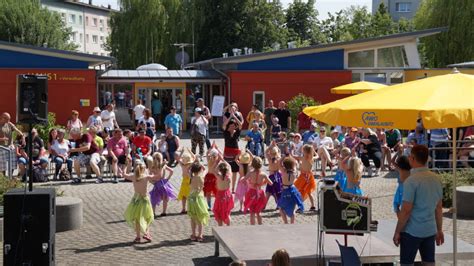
(106, 239)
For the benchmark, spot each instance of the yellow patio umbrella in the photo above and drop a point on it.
(445, 101)
(357, 87)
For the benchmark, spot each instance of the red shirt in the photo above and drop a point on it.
(304, 121)
(142, 143)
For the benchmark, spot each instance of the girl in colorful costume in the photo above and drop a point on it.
(273, 156)
(403, 168)
(255, 199)
(353, 168)
(210, 189)
(242, 186)
(290, 197)
(340, 176)
(224, 202)
(162, 189)
(139, 213)
(197, 206)
(305, 183)
(185, 160)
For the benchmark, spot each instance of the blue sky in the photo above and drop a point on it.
(323, 6)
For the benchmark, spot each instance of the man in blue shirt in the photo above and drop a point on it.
(156, 109)
(420, 221)
(309, 136)
(174, 121)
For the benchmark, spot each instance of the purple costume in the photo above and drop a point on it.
(275, 189)
(161, 189)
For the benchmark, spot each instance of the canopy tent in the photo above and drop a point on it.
(357, 87)
(445, 101)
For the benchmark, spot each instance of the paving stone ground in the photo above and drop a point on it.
(105, 238)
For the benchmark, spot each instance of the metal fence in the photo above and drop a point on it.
(9, 161)
(441, 157)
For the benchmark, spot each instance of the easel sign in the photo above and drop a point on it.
(217, 105)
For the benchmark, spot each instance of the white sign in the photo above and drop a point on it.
(217, 105)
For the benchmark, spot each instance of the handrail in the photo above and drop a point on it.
(10, 160)
(448, 149)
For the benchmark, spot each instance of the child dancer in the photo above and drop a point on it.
(224, 202)
(197, 207)
(210, 178)
(162, 189)
(340, 176)
(353, 168)
(185, 160)
(273, 156)
(242, 186)
(139, 213)
(255, 200)
(290, 197)
(305, 182)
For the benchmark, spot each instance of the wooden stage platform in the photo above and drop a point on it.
(256, 244)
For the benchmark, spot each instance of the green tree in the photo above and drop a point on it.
(453, 46)
(302, 22)
(27, 22)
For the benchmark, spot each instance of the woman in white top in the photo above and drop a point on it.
(198, 131)
(60, 151)
(149, 122)
(324, 145)
(74, 122)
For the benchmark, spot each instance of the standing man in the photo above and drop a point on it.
(420, 222)
(268, 113)
(303, 122)
(173, 145)
(207, 114)
(108, 119)
(156, 109)
(174, 121)
(138, 111)
(283, 116)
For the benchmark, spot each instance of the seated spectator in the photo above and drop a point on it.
(283, 144)
(173, 145)
(142, 147)
(297, 150)
(310, 135)
(86, 153)
(38, 151)
(163, 147)
(394, 144)
(335, 140)
(118, 154)
(275, 129)
(255, 140)
(280, 258)
(52, 136)
(352, 139)
(371, 150)
(149, 121)
(22, 156)
(40, 170)
(466, 154)
(252, 115)
(60, 152)
(324, 146)
(95, 120)
(439, 140)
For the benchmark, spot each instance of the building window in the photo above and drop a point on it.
(87, 21)
(94, 39)
(376, 77)
(101, 22)
(403, 7)
(72, 18)
(81, 37)
(101, 39)
(94, 22)
(396, 77)
(63, 17)
(356, 77)
(259, 99)
(87, 38)
(361, 59)
(73, 36)
(80, 20)
(392, 57)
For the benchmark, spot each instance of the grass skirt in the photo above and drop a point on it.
(161, 189)
(241, 190)
(255, 200)
(210, 188)
(223, 205)
(305, 184)
(290, 198)
(197, 208)
(185, 188)
(139, 211)
(275, 188)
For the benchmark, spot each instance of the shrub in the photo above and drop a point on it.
(7, 184)
(294, 106)
(43, 129)
(464, 177)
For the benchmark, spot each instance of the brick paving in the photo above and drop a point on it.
(106, 239)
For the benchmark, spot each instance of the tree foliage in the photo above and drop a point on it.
(302, 22)
(453, 46)
(27, 22)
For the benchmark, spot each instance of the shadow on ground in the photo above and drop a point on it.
(214, 261)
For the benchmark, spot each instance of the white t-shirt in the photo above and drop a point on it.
(163, 146)
(325, 141)
(150, 122)
(138, 110)
(201, 125)
(298, 148)
(61, 148)
(110, 116)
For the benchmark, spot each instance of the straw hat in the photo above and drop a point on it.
(186, 158)
(245, 158)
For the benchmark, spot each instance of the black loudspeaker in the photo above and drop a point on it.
(32, 98)
(29, 227)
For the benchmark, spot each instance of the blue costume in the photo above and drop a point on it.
(341, 178)
(398, 197)
(290, 198)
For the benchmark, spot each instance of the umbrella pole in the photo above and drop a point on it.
(455, 211)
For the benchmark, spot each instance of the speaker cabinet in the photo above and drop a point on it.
(32, 98)
(29, 227)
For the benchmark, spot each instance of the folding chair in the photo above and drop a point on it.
(349, 256)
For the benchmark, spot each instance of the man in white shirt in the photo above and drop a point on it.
(138, 111)
(108, 119)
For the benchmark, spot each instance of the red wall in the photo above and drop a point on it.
(65, 90)
(282, 86)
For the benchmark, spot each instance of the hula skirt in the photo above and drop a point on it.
(241, 190)
(161, 189)
(305, 184)
(223, 205)
(290, 198)
(353, 189)
(397, 198)
(197, 208)
(139, 211)
(275, 188)
(341, 178)
(185, 188)
(210, 188)
(255, 200)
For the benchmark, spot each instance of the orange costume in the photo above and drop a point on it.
(305, 184)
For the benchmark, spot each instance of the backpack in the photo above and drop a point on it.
(40, 174)
(64, 175)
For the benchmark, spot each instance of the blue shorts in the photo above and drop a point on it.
(22, 160)
(409, 246)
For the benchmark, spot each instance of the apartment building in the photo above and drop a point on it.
(89, 23)
(398, 8)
